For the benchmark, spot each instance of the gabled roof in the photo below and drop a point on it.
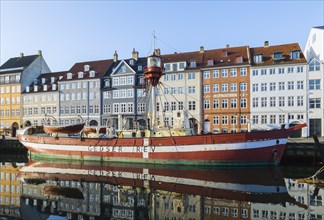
(114, 70)
(268, 51)
(139, 62)
(17, 64)
(48, 82)
(99, 66)
(184, 57)
(221, 60)
(319, 27)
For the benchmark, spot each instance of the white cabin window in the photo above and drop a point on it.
(69, 75)
(86, 68)
(54, 87)
(43, 80)
(35, 88)
(45, 87)
(27, 88)
(52, 79)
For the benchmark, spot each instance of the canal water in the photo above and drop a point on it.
(75, 190)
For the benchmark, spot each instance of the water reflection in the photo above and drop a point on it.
(43, 189)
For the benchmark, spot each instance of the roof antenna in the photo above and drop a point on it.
(154, 40)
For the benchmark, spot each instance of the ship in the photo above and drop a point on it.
(155, 144)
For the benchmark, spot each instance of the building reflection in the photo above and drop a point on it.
(119, 191)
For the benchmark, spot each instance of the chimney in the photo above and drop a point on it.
(266, 43)
(201, 49)
(227, 45)
(115, 56)
(157, 52)
(21, 54)
(135, 54)
(39, 53)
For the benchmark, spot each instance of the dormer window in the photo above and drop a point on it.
(107, 83)
(69, 75)
(210, 62)
(45, 87)
(257, 58)
(225, 53)
(80, 75)
(140, 68)
(132, 62)
(43, 80)
(92, 73)
(35, 88)
(54, 87)
(239, 59)
(86, 68)
(295, 55)
(278, 55)
(193, 64)
(167, 67)
(141, 80)
(182, 65)
(52, 79)
(27, 88)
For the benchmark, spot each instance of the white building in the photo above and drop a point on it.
(278, 86)
(314, 53)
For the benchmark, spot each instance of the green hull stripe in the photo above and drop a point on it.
(37, 156)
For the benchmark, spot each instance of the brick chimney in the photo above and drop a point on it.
(201, 49)
(266, 43)
(135, 54)
(115, 56)
(39, 53)
(21, 54)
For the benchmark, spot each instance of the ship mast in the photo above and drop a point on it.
(152, 74)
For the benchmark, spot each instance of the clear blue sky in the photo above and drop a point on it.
(75, 31)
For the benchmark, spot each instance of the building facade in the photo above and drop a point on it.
(15, 75)
(226, 83)
(40, 99)
(79, 92)
(123, 94)
(314, 53)
(278, 87)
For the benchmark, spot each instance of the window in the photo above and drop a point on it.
(281, 119)
(192, 105)
(281, 86)
(255, 102)
(290, 100)
(255, 72)
(272, 86)
(224, 73)
(243, 72)
(281, 70)
(243, 86)
(233, 87)
(215, 73)
(243, 119)
(300, 100)
(290, 69)
(257, 58)
(300, 69)
(215, 103)
(294, 55)
(290, 85)
(263, 72)
(263, 119)
(264, 102)
(193, 64)
(273, 101)
(233, 103)
(224, 87)
(224, 120)
(272, 119)
(272, 71)
(233, 120)
(281, 101)
(206, 88)
(233, 72)
(116, 107)
(315, 103)
(215, 120)
(215, 88)
(243, 103)
(224, 103)
(300, 85)
(191, 89)
(314, 65)
(277, 55)
(255, 87)
(191, 76)
(206, 74)
(263, 87)
(206, 104)
(314, 84)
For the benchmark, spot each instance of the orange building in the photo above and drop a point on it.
(226, 83)
(15, 75)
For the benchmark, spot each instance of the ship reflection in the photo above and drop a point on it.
(120, 191)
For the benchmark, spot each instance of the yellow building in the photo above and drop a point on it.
(15, 75)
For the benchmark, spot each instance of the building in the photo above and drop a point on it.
(79, 92)
(179, 91)
(124, 102)
(15, 75)
(40, 98)
(314, 53)
(226, 83)
(278, 86)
